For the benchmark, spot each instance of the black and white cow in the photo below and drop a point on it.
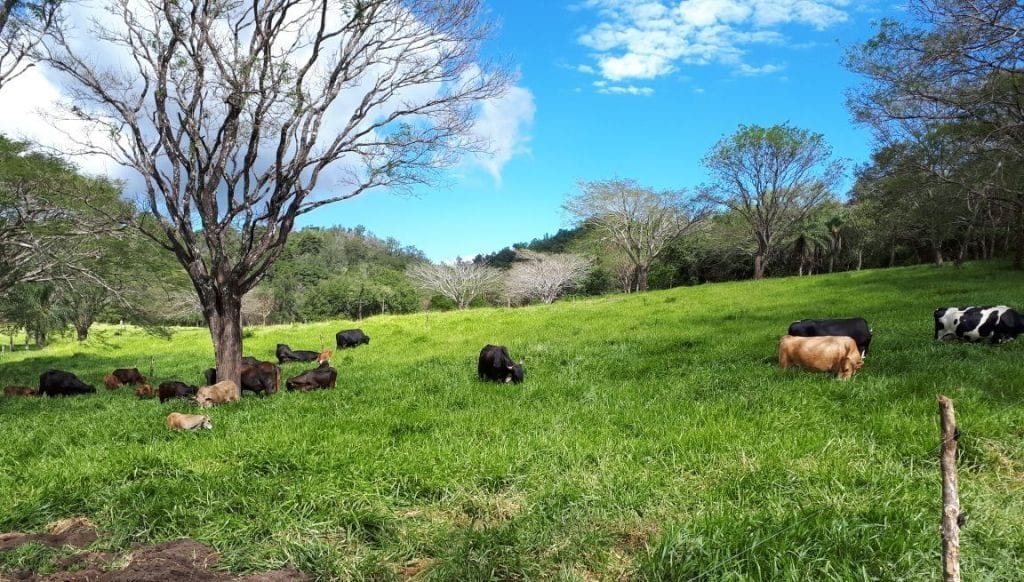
(854, 327)
(350, 338)
(997, 324)
(496, 365)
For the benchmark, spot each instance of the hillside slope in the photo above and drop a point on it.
(654, 438)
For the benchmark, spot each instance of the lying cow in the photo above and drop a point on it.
(111, 382)
(172, 389)
(351, 338)
(19, 391)
(855, 327)
(285, 354)
(177, 420)
(323, 376)
(129, 376)
(145, 392)
(836, 354)
(60, 383)
(219, 393)
(497, 366)
(997, 324)
(263, 378)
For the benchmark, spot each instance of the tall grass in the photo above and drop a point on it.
(654, 438)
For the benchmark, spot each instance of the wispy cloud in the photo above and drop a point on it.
(647, 39)
(504, 123)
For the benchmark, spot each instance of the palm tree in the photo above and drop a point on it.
(835, 225)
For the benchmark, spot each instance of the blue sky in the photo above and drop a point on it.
(722, 65)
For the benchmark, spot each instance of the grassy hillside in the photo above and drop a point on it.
(654, 438)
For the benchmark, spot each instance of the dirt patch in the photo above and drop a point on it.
(413, 569)
(76, 532)
(181, 559)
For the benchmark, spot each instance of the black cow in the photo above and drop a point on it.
(323, 376)
(261, 377)
(855, 327)
(997, 324)
(351, 338)
(496, 365)
(129, 376)
(174, 389)
(285, 354)
(58, 383)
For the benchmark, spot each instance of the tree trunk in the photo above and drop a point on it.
(224, 319)
(860, 259)
(641, 277)
(759, 265)
(1018, 247)
(82, 328)
(937, 254)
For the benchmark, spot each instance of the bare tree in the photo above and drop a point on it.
(772, 177)
(232, 115)
(545, 276)
(462, 282)
(22, 26)
(637, 220)
(257, 305)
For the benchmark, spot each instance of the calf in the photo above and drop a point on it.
(837, 354)
(60, 383)
(997, 324)
(145, 392)
(129, 376)
(19, 391)
(855, 327)
(219, 393)
(111, 382)
(325, 356)
(176, 420)
(323, 376)
(172, 389)
(496, 365)
(351, 338)
(263, 378)
(285, 354)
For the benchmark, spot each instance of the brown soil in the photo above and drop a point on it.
(182, 559)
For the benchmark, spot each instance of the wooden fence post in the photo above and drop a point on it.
(950, 493)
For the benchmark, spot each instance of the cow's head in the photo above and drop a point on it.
(515, 373)
(206, 423)
(849, 365)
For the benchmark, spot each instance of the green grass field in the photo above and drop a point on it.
(654, 438)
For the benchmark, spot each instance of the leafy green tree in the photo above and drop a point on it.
(773, 177)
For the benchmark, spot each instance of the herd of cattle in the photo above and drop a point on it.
(838, 346)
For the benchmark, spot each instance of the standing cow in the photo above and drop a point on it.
(496, 365)
(997, 324)
(855, 327)
(350, 338)
(836, 354)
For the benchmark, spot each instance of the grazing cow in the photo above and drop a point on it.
(145, 392)
(261, 377)
(219, 393)
(172, 389)
(855, 327)
(111, 382)
(129, 376)
(351, 338)
(188, 421)
(496, 365)
(837, 354)
(997, 324)
(19, 391)
(323, 376)
(285, 354)
(59, 383)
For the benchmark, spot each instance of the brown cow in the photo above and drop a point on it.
(145, 392)
(111, 382)
(19, 391)
(129, 376)
(188, 421)
(219, 393)
(830, 353)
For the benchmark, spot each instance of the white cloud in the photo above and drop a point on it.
(626, 90)
(647, 39)
(504, 123)
(586, 69)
